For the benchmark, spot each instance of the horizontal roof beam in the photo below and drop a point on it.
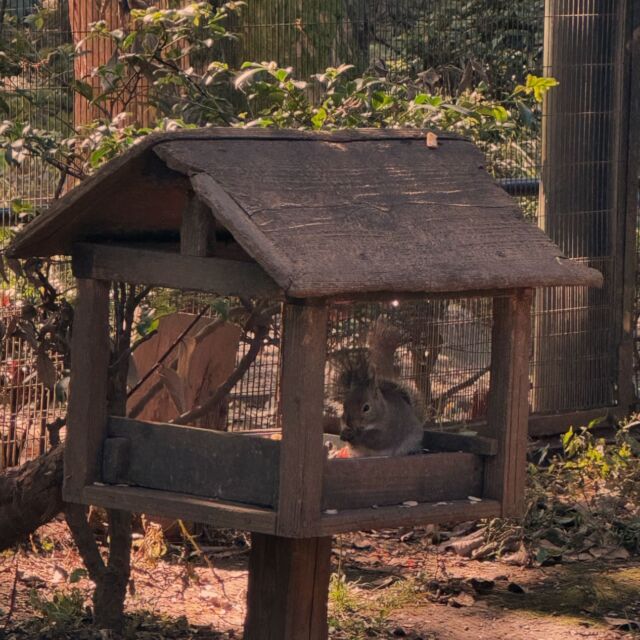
(160, 267)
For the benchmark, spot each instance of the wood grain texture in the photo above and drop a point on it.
(626, 241)
(161, 268)
(183, 506)
(556, 424)
(88, 389)
(327, 214)
(197, 231)
(508, 402)
(288, 588)
(398, 516)
(302, 452)
(451, 441)
(116, 458)
(199, 462)
(203, 367)
(362, 482)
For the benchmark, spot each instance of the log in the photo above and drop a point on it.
(30, 496)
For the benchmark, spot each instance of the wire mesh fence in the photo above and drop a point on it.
(567, 169)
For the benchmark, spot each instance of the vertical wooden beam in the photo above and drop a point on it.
(508, 409)
(629, 174)
(288, 588)
(302, 451)
(88, 389)
(197, 232)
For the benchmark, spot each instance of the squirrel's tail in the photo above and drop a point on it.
(383, 341)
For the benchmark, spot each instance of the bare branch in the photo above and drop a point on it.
(248, 359)
(76, 517)
(449, 393)
(167, 353)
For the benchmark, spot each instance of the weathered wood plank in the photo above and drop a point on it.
(629, 169)
(357, 253)
(87, 414)
(288, 588)
(362, 482)
(177, 505)
(451, 441)
(302, 453)
(553, 424)
(398, 516)
(200, 462)
(159, 268)
(116, 458)
(197, 231)
(508, 403)
(319, 242)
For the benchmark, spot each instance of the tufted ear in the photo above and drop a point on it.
(354, 371)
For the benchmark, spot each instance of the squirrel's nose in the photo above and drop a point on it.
(347, 434)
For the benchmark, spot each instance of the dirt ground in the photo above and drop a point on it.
(395, 584)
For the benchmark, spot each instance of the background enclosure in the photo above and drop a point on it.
(577, 178)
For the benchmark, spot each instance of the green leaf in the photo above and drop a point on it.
(83, 88)
(20, 206)
(96, 157)
(77, 575)
(319, 118)
(129, 40)
(566, 438)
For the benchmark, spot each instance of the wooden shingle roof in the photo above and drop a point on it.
(323, 213)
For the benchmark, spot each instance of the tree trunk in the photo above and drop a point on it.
(30, 496)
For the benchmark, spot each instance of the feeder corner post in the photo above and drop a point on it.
(88, 389)
(289, 572)
(508, 410)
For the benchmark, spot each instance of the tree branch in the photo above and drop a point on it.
(76, 517)
(460, 386)
(248, 359)
(167, 353)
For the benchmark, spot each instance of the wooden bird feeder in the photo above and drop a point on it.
(309, 220)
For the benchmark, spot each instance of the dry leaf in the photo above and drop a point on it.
(466, 545)
(623, 624)
(432, 140)
(462, 600)
(59, 575)
(46, 370)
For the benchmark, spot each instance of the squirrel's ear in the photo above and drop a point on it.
(372, 374)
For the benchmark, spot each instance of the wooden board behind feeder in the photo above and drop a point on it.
(201, 369)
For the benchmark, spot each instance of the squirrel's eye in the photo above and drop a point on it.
(365, 408)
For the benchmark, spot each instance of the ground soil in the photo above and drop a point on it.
(398, 585)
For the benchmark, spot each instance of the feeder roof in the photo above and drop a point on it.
(324, 214)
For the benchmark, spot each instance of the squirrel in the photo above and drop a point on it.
(381, 415)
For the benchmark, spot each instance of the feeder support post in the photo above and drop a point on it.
(302, 453)
(88, 389)
(508, 410)
(289, 572)
(288, 588)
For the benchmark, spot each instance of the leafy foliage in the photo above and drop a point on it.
(62, 611)
(173, 60)
(582, 501)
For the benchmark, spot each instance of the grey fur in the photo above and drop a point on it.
(381, 417)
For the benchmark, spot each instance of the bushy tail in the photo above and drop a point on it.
(383, 341)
